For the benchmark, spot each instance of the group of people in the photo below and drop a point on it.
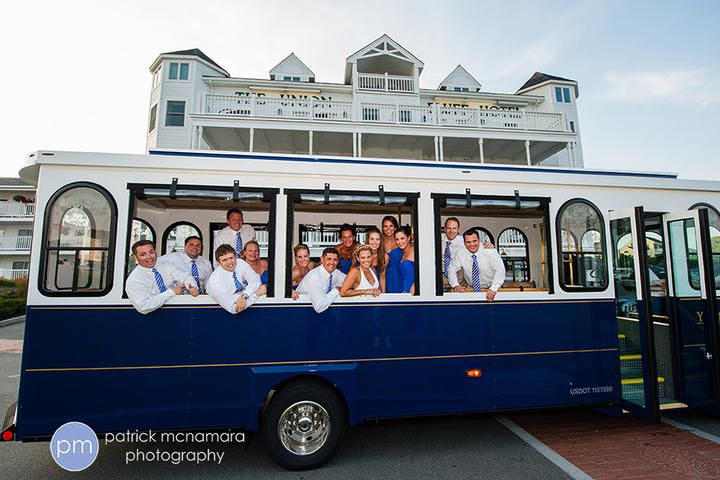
(384, 264)
(239, 278)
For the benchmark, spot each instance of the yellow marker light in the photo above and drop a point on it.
(474, 373)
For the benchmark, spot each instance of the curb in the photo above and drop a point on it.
(11, 321)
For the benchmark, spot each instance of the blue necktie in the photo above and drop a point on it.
(238, 286)
(447, 258)
(195, 272)
(238, 244)
(475, 275)
(329, 284)
(159, 280)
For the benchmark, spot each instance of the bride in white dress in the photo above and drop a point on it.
(361, 280)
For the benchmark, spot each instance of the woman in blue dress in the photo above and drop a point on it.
(346, 248)
(400, 271)
(251, 254)
(374, 241)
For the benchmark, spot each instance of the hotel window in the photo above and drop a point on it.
(562, 95)
(178, 71)
(461, 89)
(153, 118)
(291, 79)
(175, 115)
(156, 78)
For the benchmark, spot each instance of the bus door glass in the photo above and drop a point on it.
(638, 376)
(694, 301)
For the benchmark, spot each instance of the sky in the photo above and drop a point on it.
(76, 73)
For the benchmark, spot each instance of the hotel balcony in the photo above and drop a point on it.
(15, 244)
(16, 211)
(386, 113)
(385, 83)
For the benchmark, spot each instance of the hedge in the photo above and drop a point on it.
(9, 306)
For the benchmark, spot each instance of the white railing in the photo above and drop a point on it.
(326, 239)
(435, 114)
(17, 210)
(13, 274)
(262, 237)
(15, 243)
(385, 82)
(304, 109)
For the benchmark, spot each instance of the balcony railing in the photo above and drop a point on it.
(385, 83)
(326, 239)
(13, 274)
(304, 109)
(15, 243)
(435, 114)
(16, 210)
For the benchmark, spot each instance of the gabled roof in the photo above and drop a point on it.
(539, 78)
(193, 52)
(384, 45)
(291, 65)
(460, 78)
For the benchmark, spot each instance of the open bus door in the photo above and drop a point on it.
(693, 296)
(638, 373)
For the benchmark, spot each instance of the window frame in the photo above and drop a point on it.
(112, 240)
(526, 258)
(269, 196)
(439, 198)
(167, 112)
(293, 194)
(178, 71)
(153, 118)
(603, 243)
(713, 255)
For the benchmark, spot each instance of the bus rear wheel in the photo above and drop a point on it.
(304, 425)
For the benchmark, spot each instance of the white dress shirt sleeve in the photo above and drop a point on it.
(498, 268)
(249, 276)
(454, 267)
(221, 289)
(140, 293)
(321, 300)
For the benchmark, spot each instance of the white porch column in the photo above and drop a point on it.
(482, 150)
(527, 152)
(442, 150)
(200, 131)
(359, 144)
(437, 149)
(310, 142)
(571, 154)
(355, 149)
(194, 138)
(251, 143)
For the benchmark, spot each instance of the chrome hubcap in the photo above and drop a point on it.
(304, 427)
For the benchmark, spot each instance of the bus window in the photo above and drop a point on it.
(518, 223)
(78, 241)
(181, 211)
(581, 247)
(714, 218)
(315, 219)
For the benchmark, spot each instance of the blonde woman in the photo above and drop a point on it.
(303, 264)
(361, 280)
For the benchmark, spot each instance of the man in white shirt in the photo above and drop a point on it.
(150, 285)
(234, 283)
(236, 234)
(190, 261)
(483, 267)
(322, 283)
(451, 243)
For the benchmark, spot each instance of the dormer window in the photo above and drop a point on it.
(178, 71)
(291, 79)
(562, 95)
(461, 89)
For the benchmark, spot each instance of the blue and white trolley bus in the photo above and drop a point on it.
(610, 297)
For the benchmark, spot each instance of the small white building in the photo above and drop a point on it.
(379, 111)
(17, 210)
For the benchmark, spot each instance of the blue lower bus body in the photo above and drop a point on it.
(198, 367)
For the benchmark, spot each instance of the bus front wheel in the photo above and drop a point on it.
(303, 425)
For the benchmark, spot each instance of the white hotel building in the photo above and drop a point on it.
(379, 111)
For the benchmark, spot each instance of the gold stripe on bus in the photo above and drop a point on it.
(316, 362)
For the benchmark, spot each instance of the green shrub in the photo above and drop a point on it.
(10, 306)
(6, 282)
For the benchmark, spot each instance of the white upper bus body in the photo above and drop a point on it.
(607, 190)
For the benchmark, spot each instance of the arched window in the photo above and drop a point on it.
(714, 220)
(485, 235)
(78, 241)
(582, 264)
(175, 235)
(513, 248)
